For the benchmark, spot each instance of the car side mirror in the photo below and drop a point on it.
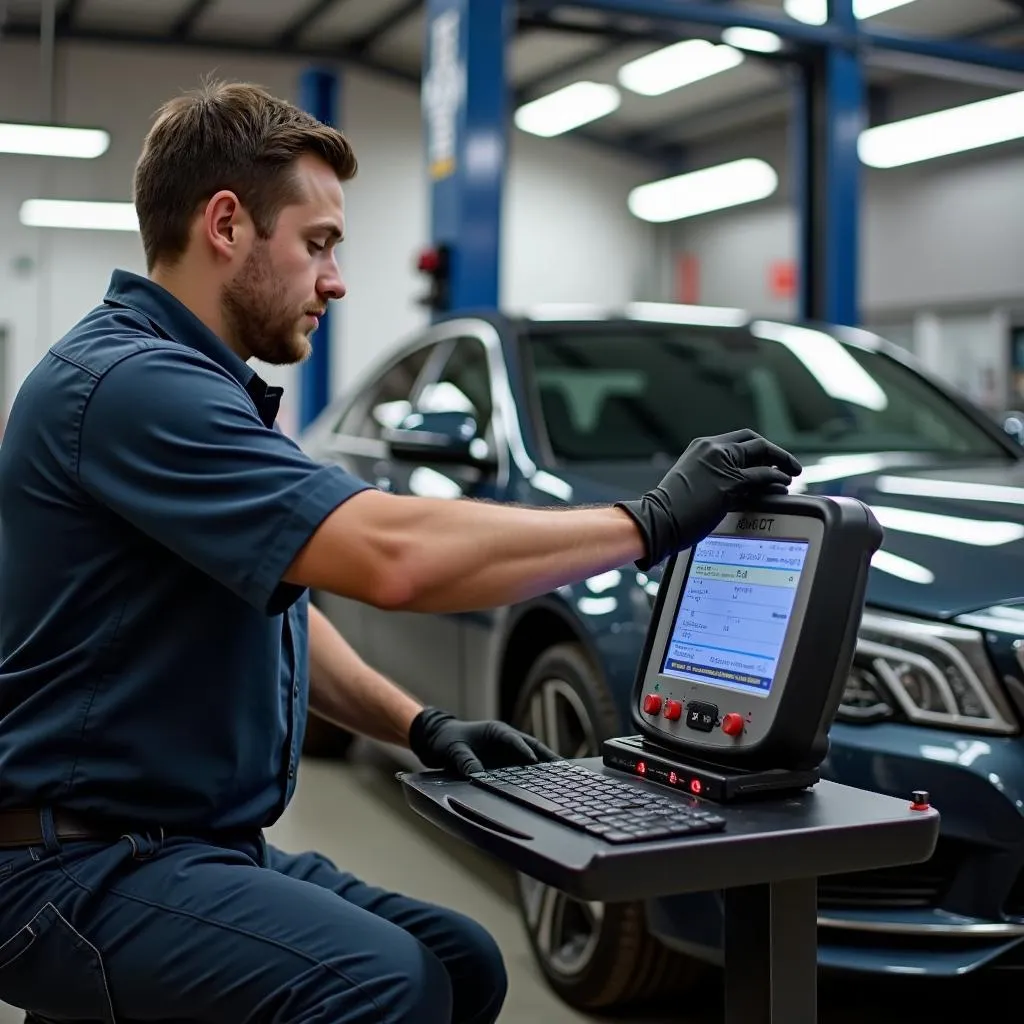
(1013, 424)
(449, 438)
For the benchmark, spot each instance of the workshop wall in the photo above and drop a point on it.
(50, 278)
(943, 234)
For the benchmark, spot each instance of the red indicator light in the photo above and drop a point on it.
(641, 768)
(695, 786)
(429, 261)
(673, 778)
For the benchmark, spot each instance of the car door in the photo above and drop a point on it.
(423, 652)
(355, 444)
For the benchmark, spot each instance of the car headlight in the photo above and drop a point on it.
(929, 673)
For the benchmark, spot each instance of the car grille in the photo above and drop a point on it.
(907, 887)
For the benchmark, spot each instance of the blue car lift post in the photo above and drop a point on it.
(319, 90)
(770, 901)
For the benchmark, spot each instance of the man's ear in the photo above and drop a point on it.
(225, 225)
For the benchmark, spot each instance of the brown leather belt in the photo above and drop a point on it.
(23, 827)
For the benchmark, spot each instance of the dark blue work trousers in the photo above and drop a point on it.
(177, 929)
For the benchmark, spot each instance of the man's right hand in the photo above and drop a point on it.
(712, 477)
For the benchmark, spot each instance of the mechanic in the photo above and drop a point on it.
(160, 535)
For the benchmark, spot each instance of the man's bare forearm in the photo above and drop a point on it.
(432, 555)
(350, 693)
(510, 554)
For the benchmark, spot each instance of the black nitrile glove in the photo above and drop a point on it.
(714, 476)
(440, 740)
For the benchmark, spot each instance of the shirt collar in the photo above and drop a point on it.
(176, 322)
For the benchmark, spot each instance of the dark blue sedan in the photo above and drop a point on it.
(595, 406)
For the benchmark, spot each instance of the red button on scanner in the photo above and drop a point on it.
(732, 724)
(673, 710)
(652, 704)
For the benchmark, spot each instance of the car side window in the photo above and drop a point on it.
(463, 385)
(387, 400)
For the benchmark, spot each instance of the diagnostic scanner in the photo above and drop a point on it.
(750, 646)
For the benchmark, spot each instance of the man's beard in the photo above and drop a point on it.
(257, 317)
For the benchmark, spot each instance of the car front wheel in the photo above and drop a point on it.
(595, 955)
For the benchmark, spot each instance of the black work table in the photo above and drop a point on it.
(767, 861)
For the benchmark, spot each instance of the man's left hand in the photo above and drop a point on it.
(440, 740)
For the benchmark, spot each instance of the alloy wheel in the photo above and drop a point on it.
(565, 931)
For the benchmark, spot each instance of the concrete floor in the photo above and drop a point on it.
(339, 806)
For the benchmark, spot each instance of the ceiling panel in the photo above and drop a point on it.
(536, 53)
(246, 19)
(155, 16)
(404, 45)
(942, 17)
(347, 18)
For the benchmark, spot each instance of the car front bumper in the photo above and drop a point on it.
(961, 910)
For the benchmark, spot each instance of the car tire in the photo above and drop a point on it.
(325, 740)
(594, 955)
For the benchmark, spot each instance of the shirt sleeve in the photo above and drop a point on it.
(175, 446)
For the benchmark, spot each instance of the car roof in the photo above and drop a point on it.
(636, 314)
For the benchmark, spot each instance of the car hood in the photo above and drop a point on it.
(954, 532)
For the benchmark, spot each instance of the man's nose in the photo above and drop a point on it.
(331, 286)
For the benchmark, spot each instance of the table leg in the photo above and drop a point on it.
(771, 953)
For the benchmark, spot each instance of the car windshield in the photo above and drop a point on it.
(612, 392)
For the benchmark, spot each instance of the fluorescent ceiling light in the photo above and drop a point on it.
(714, 188)
(755, 39)
(971, 126)
(89, 216)
(677, 65)
(677, 313)
(568, 108)
(49, 140)
(815, 12)
(838, 373)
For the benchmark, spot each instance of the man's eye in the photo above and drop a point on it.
(316, 247)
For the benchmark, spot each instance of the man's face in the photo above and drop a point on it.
(273, 303)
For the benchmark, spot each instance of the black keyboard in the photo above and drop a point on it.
(615, 811)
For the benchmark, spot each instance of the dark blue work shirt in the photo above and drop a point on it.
(154, 665)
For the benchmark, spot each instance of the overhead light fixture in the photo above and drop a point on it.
(74, 214)
(972, 126)
(714, 188)
(756, 40)
(815, 12)
(565, 109)
(52, 140)
(677, 65)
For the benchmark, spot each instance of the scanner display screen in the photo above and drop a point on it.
(736, 605)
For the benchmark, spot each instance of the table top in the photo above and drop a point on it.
(828, 829)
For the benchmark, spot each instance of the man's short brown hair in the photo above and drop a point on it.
(233, 136)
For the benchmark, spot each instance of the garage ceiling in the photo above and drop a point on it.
(552, 48)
